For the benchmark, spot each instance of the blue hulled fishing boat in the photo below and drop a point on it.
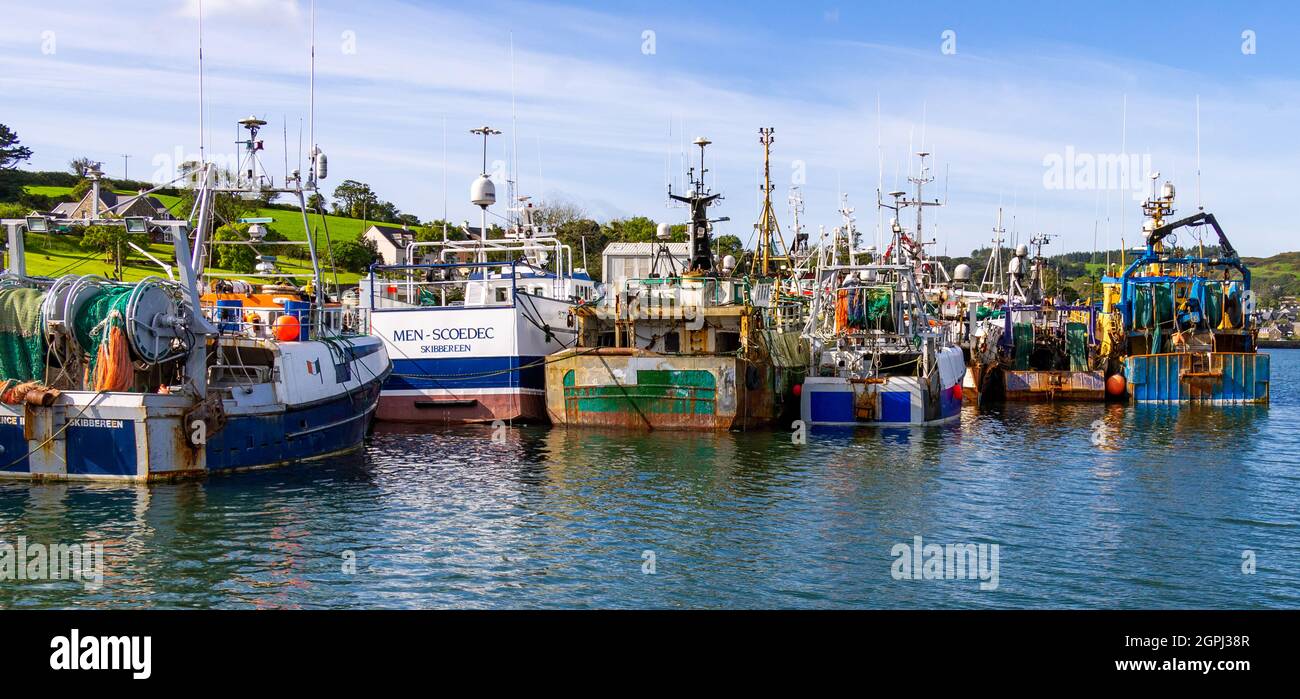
(1181, 326)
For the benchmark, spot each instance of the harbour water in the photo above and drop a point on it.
(1091, 506)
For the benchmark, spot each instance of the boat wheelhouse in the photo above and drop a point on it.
(469, 339)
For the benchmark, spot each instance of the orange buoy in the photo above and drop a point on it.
(1115, 385)
(287, 328)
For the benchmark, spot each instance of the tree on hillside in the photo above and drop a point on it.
(556, 213)
(84, 185)
(79, 166)
(354, 199)
(355, 256)
(726, 245)
(385, 212)
(432, 232)
(316, 202)
(240, 255)
(584, 231)
(113, 241)
(11, 152)
(638, 229)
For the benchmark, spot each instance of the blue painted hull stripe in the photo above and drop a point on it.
(468, 372)
(248, 441)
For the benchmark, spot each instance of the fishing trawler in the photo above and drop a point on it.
(156, 379)
(1037, 347)
(470, 323)
(877, 357)
(1181, 326)
(685, 348)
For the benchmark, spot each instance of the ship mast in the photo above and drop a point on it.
(916, 245)
(768, 253)
(482, 192)
(993, 270)
(699, 199)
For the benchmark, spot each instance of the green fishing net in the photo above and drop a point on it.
(1022, 335)
(1141, 306)
(1076, 345)
(1213, 304)
(22, 346)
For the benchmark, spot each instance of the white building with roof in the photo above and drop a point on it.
(622, 261)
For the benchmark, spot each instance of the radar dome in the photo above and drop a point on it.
(664, 231)
(728, 263)
(961, 273)
(483, 192)
(1022, 250)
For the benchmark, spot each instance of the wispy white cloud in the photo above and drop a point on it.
(254, 9)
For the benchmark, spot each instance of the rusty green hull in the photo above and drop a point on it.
(640, 390)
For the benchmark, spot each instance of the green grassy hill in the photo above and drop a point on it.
(1275, 277)
(53, 255)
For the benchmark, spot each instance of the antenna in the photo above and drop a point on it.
(514, 132)
(1123, 154)
(924, 110)
(311, 104)
(202, 154)
(1199, 205)
(541, 181)
(880, 180)
(444, 178)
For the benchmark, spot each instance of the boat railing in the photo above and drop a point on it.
(255, 322)
(447, 285)
(542, 248)
(684, 291)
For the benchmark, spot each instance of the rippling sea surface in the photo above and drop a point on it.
(1091, 506)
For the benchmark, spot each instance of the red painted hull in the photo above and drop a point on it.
(507, 407)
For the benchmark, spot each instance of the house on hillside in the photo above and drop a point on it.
(622, 261)
(391, 242)
(113, 205)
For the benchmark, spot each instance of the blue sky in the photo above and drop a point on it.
(1027, 83)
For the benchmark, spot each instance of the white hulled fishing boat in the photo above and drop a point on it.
(470, 326)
